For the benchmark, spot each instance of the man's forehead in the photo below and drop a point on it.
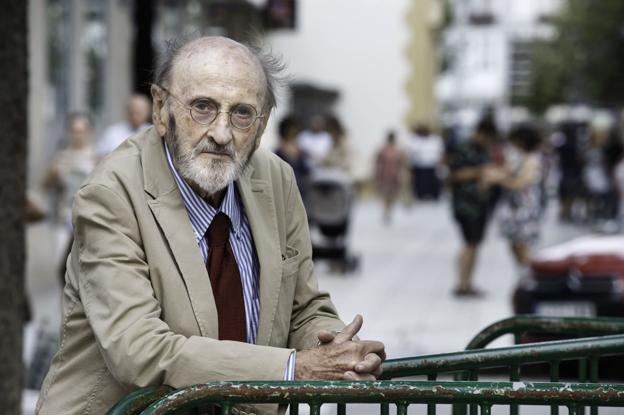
(206, 58)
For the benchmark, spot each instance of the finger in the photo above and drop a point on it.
(373, 346)
(350, 375)
(326, 336)
(351, 330)
(370, 363)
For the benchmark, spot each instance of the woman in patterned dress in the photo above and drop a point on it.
(522, 204)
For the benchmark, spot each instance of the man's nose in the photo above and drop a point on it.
(221, 130)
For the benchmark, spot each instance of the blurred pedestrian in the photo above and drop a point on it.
(68, 170)
(138, 116)
(315, 141)
(72, 164)
(339, 155)
(426, 151)
(521, 205)
(600, 159)
(618, 178)
(390, 166)
(565, 141)
(471, 200)
(290, 152)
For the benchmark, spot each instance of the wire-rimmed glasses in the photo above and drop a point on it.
(204, 111)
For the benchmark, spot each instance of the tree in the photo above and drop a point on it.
(13, 142)
(585, 60)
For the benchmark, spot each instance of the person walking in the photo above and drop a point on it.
(390, 166)
(69, 169)
(289, 151)
(339, 155)
(565, 142)
(426, 151)
(522, 202)
(471, 199)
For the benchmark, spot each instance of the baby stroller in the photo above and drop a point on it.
(329, 199)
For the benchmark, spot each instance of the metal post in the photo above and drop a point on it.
(514, 376)
(315, 409)
(593, 378)
(431, 407)
(554, 377)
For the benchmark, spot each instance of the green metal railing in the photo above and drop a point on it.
(386, 393)
(525, 324)
(466, 393)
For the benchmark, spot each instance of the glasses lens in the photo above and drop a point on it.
(242, 116)
(204, 111)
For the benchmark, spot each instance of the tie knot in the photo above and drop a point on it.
(219, 230)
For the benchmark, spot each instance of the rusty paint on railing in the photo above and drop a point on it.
(138, 400)
(409, 392)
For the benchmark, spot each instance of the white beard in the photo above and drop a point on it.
(209, 175)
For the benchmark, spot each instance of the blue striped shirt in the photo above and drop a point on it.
(200, 215)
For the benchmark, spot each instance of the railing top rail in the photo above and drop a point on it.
(504, 356)
(408, 392)
(138, 400)
(559, 325)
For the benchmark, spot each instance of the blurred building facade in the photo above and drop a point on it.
(486, 55)
(374, 65)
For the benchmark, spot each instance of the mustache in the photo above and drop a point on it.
(209, 146)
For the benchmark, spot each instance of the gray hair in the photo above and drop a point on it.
(271, 64)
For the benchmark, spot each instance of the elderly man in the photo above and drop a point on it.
(192, 259)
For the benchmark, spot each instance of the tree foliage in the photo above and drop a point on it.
(585, 60)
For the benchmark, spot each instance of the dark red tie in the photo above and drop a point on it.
(225, 280)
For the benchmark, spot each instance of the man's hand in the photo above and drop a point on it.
(339, 357)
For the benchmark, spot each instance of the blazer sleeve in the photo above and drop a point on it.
(312, 309)
(138, 347)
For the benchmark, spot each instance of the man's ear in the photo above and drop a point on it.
(160, 114)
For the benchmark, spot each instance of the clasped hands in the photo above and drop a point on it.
(338, 356)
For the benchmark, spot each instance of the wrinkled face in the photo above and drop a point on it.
(211, 156)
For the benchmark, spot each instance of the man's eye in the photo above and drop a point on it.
(243, 111)
(204, 106)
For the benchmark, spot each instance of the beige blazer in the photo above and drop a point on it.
(138, 308)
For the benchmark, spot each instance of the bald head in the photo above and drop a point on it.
(207, 52)
(220, 48)
(199, 60)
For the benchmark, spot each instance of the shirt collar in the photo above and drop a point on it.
(201, 212)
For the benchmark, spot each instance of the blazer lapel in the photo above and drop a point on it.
(170, 213)
(260, 210)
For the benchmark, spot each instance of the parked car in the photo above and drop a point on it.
(582, 277)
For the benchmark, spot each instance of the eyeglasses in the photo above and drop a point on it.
(204, 111)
